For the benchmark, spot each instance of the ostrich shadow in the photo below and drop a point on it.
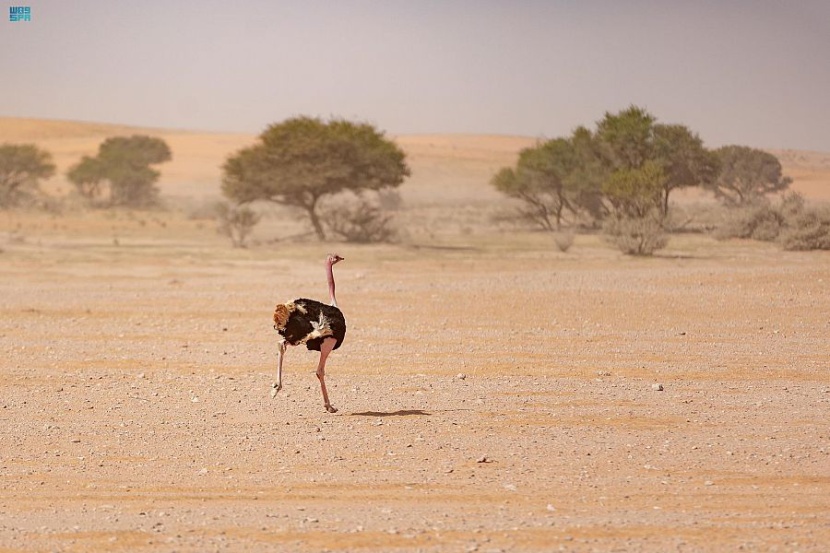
(398, 413)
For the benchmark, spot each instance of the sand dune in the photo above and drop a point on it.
(445, 167)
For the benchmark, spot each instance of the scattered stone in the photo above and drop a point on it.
(461, 376)
(657, 387)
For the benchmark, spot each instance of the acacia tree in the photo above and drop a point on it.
(537, 183)
(747, 175)
(636, 226)
(634, 182)
(685, 161)
(302, 160)
(553, 178)
(632, 138)
(124, 164)
(22, 166)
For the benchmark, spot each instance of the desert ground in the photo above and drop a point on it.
(494, 393)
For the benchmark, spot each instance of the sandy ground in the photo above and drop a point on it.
(491, 398)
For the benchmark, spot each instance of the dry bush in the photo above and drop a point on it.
(808, 229)
(563, 240)
(763, 221)
(790, 222)
(637, 235)
(358, 219)
(389, 199)
(236, 222)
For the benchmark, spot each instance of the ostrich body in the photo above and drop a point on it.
(319, 326)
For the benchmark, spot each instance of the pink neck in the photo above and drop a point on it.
(330, 275)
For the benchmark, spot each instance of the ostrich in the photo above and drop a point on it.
(319, 326)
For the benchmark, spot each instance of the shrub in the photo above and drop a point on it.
(563, 241)
(808, 229)
(762, 222)
(359, 221)
(790, 222)
(637, 235)
(236, 222)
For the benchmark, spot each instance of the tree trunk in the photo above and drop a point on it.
(315, 219)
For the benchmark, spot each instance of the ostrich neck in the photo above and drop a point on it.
(330, 275)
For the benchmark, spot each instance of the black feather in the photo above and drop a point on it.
(300, 325)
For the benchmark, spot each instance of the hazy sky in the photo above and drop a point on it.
(753, 72)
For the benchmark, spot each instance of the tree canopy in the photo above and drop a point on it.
(627, 138)
(22, 166)
(302, 160)
(601, 172)
(635, 192)
(684, 159)
(553, 178)
(124, 164)
(747, 175)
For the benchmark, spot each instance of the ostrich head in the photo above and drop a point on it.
(333, 258)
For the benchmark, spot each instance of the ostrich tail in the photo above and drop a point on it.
(281, 313)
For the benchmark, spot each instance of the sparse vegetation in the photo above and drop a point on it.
(563, 240)
(762, 221)
(617, 177)
(236, 222)
(746, 176)
(553, 179)
(808, 229)
(624, 173)
(629, 165)
(304, 160)
(791, 222)
(641, 236)
(359, 220)
(122, 163)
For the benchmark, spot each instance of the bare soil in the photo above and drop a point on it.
(494, 395)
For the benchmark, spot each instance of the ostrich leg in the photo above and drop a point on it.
(325, 349)
(277, 386)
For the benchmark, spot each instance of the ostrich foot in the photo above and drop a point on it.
(275, 387)
(330, 408)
